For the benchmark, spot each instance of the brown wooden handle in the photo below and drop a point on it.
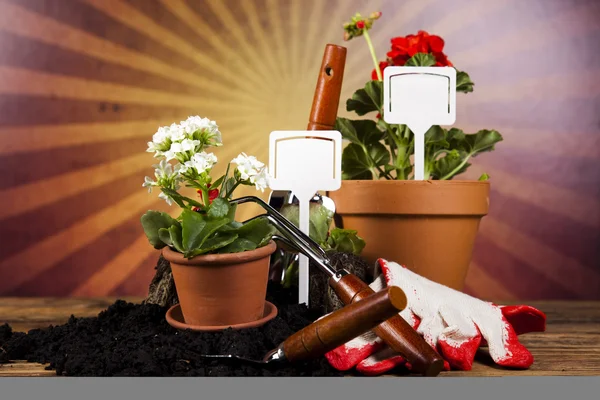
(329, 86)
(395, 331)
(343, 325)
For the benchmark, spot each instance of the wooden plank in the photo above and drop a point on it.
(24, 314)
(570, 346)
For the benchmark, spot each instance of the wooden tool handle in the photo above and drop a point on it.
(395, 331)
(329, 86)
(344, 324)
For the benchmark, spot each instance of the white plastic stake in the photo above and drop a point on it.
(305, 162)
(419, 97)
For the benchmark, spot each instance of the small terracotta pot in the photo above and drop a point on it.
(221, 289)
(428, 226)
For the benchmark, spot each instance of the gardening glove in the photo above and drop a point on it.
(453, 323)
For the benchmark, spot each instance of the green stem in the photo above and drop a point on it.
(455, 170)
(437, 153)
(372, 50)
(205, 197)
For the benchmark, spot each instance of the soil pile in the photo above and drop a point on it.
(135, 340)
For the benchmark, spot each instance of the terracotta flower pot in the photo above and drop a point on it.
(428, 226)
(221, 289)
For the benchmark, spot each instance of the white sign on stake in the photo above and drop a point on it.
(305, 162)
(419, 97)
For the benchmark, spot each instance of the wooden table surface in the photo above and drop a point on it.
(570, 345)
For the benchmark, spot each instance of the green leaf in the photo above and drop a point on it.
(454, 137)
(320, 219)
(379, 154)
(228, 186)
(436, 134)
(214, 243)
(345, 240)
(362, 131)
(484, 177)
(230, 227)
(165, 236)
(366, 100)
(176, 240)
(258, 230)
(482, 141)
(355, 163)
(197, 228)
(421, 60)
(217, 183)
(152, 222)
(448, 163)
(463, 82)
(218, 208)
(192, 224)
(238, 245)
(291, 276)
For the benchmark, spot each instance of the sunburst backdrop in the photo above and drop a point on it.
(84, 85)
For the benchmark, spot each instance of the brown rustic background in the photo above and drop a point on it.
(84, 85)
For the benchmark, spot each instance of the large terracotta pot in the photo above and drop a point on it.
(428, 226)
(221, 289)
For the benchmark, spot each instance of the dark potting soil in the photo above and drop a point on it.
(135, 340)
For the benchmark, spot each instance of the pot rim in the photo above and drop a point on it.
(435, 182)
(412, 198)
(220, 259)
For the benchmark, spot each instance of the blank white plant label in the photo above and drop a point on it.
(305, 162)
(419, 97)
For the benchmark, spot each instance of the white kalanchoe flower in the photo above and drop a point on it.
(247, 166)
(261, 180)
(176, 132)
(201, 162)
(194, 123)
(160, 141)
(161, 135)
(202, 129)
(148, 182)
(164, 171)
(178, 148)
(189, 145)
(165, 198)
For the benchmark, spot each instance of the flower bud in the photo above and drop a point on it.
(375, 15)
(360, 24)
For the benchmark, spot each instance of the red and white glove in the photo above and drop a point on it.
(453, 323)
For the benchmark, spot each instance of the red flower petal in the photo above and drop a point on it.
(436, 43)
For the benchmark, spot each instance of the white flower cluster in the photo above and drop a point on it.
(201, 162)
(252, 170)
(185, 143)
(181, 141)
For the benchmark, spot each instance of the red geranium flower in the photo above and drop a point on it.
(405, 47)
